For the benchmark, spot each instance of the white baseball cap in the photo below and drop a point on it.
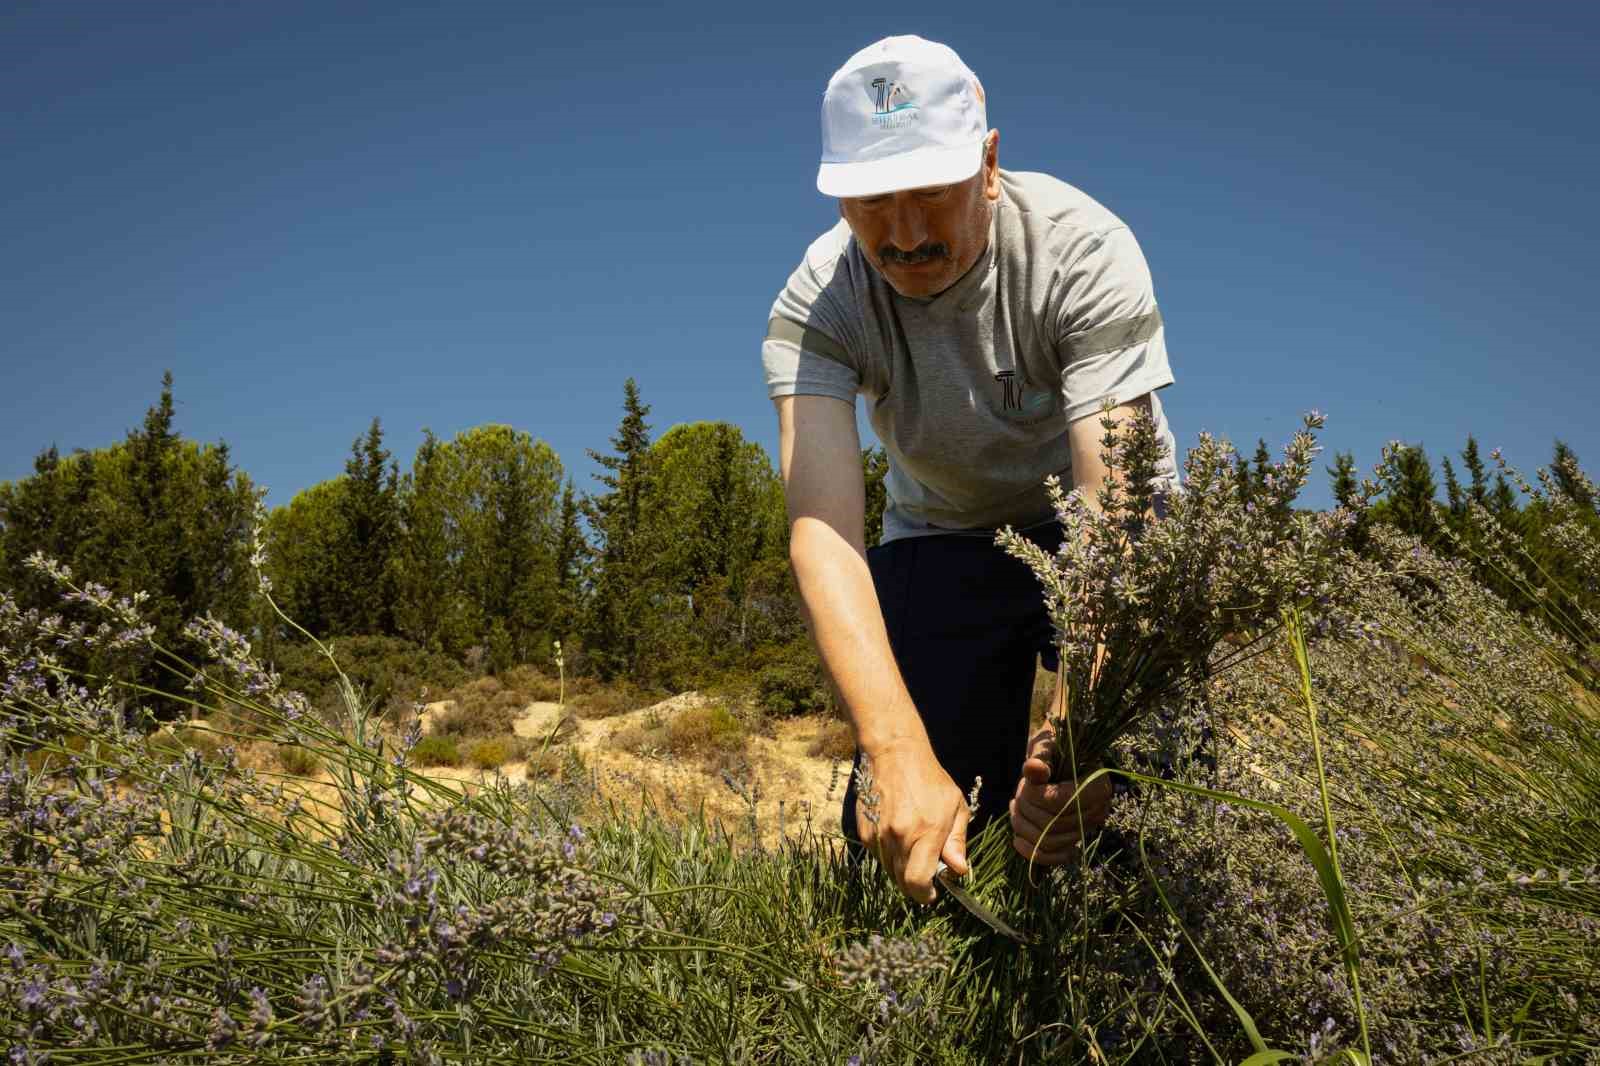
(900, 114)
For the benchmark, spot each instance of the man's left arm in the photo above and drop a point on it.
(1112, 347)
(1050, 821)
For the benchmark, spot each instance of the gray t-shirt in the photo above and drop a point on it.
(971, 391)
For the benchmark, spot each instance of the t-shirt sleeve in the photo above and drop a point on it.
(1109, 333)
(803, 353)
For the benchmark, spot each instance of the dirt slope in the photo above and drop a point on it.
(784, 783)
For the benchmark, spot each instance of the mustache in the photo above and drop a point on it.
(921, 254)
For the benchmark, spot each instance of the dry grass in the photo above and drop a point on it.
(707, 732)
(487, 753)
(591, 700)
(486, 706)
(835, 740)
(298, 761)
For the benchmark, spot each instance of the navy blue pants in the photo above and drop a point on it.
(967, 625)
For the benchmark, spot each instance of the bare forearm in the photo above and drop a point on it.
(846, 623)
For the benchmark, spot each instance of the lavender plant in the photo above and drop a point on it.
(1140, 605)
(183, 907)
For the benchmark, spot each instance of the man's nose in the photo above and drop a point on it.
(907, 228)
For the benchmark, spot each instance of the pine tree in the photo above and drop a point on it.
(154, 514)
(1478, 484)
(423, 579)
(370, 510)
(1503, 500)
(1454, 494)
(621, 594)
(572, 554)
(149, 561)
(1343, 474)
(713, 550)
(1262, 462)
(1410, 503)
(1568, 476)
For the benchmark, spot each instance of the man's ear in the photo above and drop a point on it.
(991, 166)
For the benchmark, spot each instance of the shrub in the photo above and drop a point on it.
(486, 753)
(704, 731)
(390, 673)
(835, 740)
(178, 740)
(535, 684)
(436, 750)
(302, 762)
(485, 707)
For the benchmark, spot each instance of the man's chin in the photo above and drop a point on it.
(920, 284)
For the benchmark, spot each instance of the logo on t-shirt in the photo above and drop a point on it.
(1016, 396)
(891, 103)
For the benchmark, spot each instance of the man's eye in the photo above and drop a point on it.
(872, 201)
(934, 194)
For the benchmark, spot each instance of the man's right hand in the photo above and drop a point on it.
(921, 818)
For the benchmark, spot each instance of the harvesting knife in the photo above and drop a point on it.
(988, 917)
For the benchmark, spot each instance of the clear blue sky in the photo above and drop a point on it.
(447, 215)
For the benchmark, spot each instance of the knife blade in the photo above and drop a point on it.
(988, 917)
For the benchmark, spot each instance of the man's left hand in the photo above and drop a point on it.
(1048, 823)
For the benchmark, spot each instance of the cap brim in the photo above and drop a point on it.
(911, 170)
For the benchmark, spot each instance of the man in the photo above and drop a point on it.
(987, 316)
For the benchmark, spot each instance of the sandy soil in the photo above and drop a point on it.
(789, 789)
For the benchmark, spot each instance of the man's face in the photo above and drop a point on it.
(923, 240)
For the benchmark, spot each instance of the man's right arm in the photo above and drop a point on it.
(921, 813)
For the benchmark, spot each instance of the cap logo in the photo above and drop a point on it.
(891, 104)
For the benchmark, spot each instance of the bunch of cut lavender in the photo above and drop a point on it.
(1226, 559)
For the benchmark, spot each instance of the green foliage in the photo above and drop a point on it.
(502, 502)
(623, 562)
(368, 531)
(436, 750)
(1345, 483)
(1410, 501)
(154, 513)
(194, 913)
(874, 469)
(392, 673)
(502, 650)
(304, 538)
(790, 681)
(430, 608)
(572, 557)
(487, 753)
